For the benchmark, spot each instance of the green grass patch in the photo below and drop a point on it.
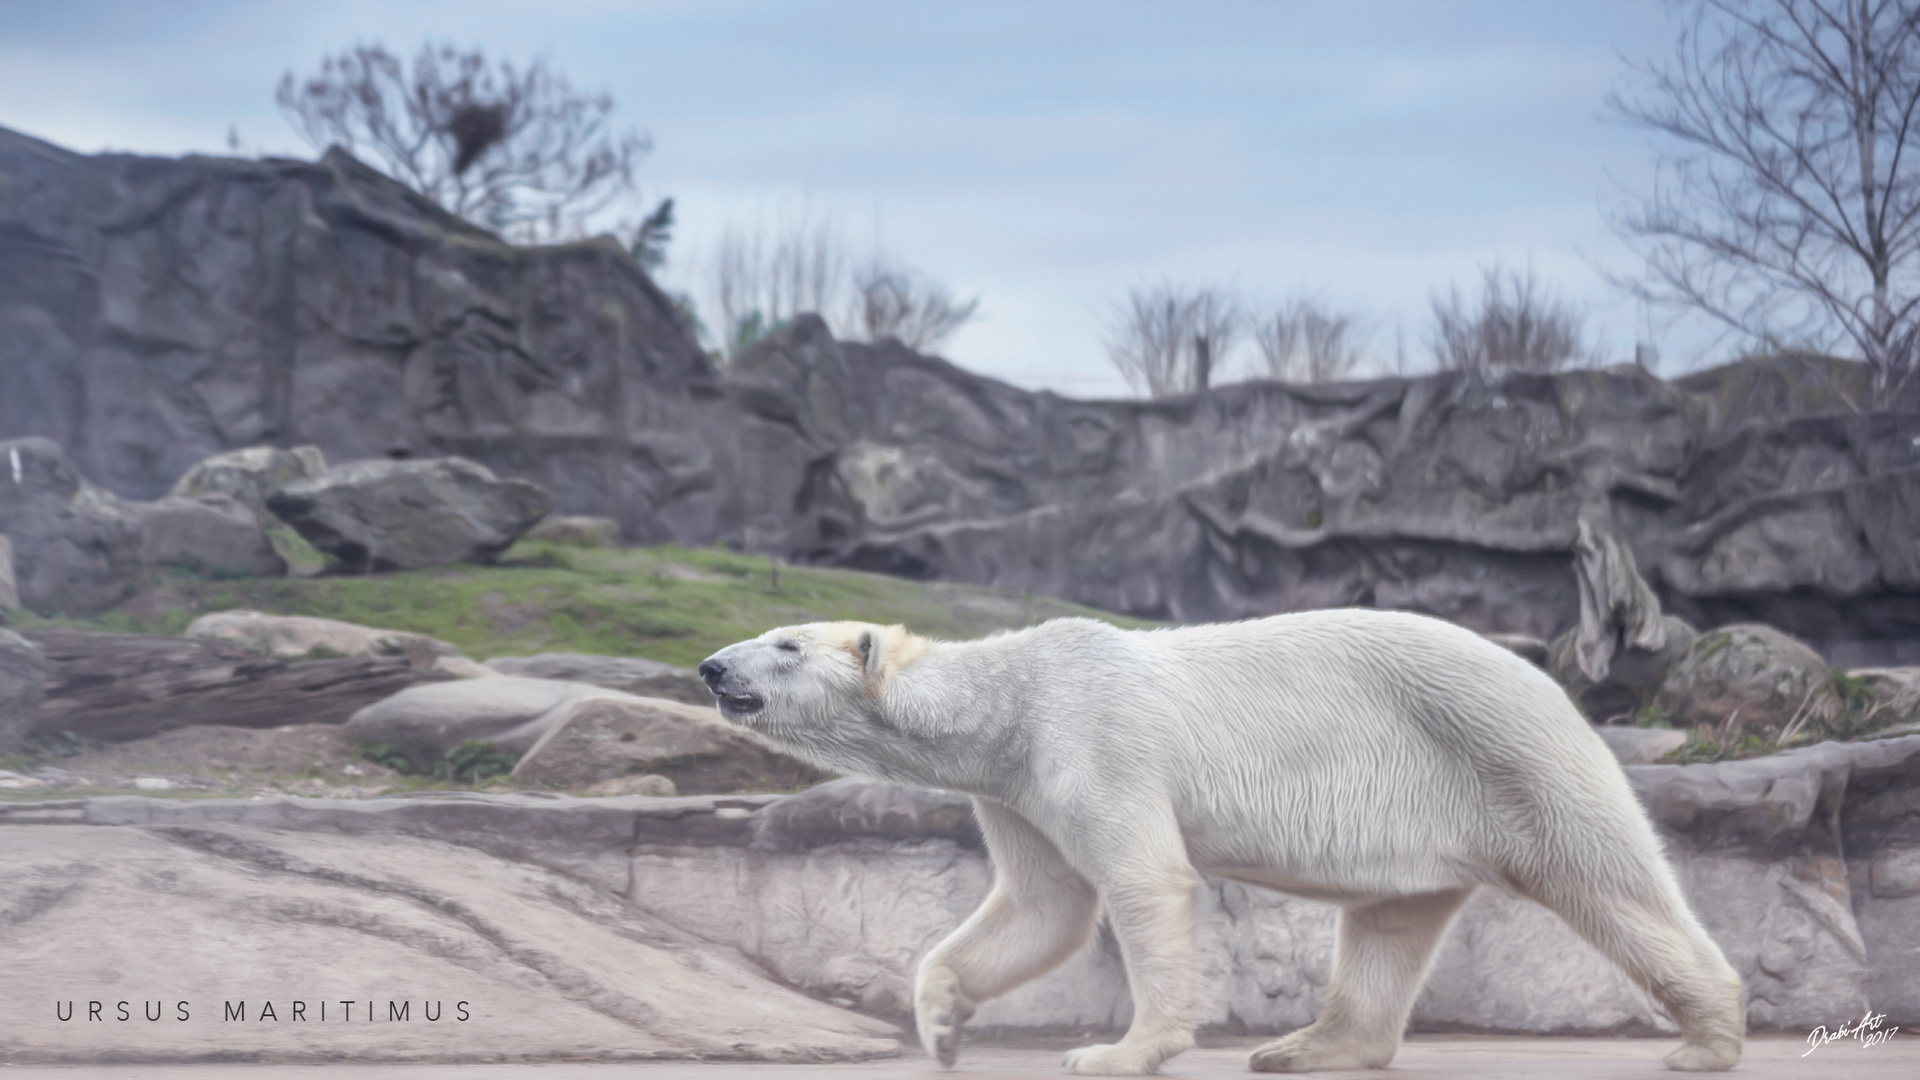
(673, 604)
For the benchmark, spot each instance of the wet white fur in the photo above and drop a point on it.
(1388, 763)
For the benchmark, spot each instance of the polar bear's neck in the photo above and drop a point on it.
(958, 708)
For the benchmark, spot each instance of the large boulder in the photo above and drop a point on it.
(252, 474)
(493, 959)
(214, 535)
(629, 674)
(596, 740)
(301, 635)
(577, 530)
(1634, 675)
(1751, 679)
(406, 515)
(9, 588)
(128, 686)
(1618, 657)
(76, 547)
(22, 675)
(423, 723)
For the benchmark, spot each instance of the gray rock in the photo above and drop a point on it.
(406, 515)
(9, 588)
(1638, 745)
(658, 787)
(1751, 679)
(512, 713)
(856, 807)
(213, 535)
(290, 636)
(128, 686)
(250, 475)
(597, 739)
(23, 675)
(76, 547)
(1525, 646)
(1896, 690)
(543, 966)
(631, 674)
(577, 530)
(1634, 674)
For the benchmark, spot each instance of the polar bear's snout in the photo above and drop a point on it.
(731, 690)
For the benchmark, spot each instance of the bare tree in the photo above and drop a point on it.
(1790, 209)
(1169, 340)
(1515, 324)
(514, 149)
(761, 281)
(1304, 341)
(892, 302)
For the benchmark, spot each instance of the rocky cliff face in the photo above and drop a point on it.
(156, 311)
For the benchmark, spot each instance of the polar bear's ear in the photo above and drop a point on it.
(871, 647)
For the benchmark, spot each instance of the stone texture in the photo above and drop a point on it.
(22, 677)
(550, 967)
(299, 635)
(631, 674)
(597, 739)
(406, 515)
(9, 587)
(154, 312)
(251, 474)
(1750, 679)
(1638, 745)
(577, 530)
(645, 784)
(127, 686)
(210, 535)
(512, 713)
(1896, 690)
(76, 547)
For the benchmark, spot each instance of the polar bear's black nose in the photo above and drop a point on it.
(711, 671)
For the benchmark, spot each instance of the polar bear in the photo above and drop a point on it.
(1385, 762)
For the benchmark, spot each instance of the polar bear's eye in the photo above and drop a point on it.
(788, 646)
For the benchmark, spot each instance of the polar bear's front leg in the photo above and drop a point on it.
(1039, 913)
(1147, 886)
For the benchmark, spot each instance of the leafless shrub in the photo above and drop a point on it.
(761, 281)
(1303, 341)
(514, 149)
(1169, 340)
(892, 302)
(1515, 324)
(1790, 209)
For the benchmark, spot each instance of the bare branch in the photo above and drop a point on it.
(1515, 325)
(1787, 210)
(515, 149)
(1168, 340)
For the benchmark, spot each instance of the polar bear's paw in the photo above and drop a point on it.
(1704, 1057)
(1307, 1050)
(939, 1012)
(1128, 1057)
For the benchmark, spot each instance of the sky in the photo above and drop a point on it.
(1046, 156)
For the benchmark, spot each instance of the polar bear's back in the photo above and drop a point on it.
(1438, 748)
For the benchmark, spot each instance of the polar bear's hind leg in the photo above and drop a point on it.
(1381, 956)
(1656, 940)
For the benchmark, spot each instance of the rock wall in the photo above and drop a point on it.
(156, 311)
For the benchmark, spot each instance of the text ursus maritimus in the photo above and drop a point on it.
(1387, 763)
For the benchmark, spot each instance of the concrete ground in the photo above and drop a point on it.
(1439, 1057)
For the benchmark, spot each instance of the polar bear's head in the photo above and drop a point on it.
(817, 690)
